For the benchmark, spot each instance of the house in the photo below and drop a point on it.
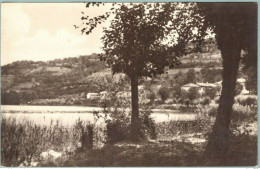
(93, 95)
(242, 81)
(189, 86)
(203, 86)
(200, 86)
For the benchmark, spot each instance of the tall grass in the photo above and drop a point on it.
(24, 142)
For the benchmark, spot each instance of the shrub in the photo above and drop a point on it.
(210, 92)
(243, 113)
(205, 101)
(191, 94)
(176, 91)
(151, 96)
(164, 93)
(118, 127)
(249, 101)
(187, 102)
(118, 118)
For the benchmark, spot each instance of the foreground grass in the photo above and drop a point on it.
(165, 153)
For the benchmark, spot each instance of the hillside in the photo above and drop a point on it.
(46, 80)
(70, 79)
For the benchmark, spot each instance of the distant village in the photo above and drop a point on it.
(94, 98)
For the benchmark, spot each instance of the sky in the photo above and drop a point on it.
(45, 31)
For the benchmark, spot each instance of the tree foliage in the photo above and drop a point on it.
(164, 93)
(235, 25)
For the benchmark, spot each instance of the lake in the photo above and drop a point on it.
(68, 115)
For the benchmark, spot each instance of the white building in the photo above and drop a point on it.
(93, 95)
(242, 81)
(200, 86)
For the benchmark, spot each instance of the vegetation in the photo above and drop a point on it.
(230, 43)
(30, 81)
(224, 129)
(164, 93)
(23, 143)
(138, 53)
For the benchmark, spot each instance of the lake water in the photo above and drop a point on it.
(68, 115)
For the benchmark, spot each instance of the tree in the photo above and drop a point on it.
(164, 93)
(191, 76)
(151, 96)
(235, 30)
(210, 75)
(134, 44)
(210, 92)
(192, 93)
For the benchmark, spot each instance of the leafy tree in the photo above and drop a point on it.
(210, 92)
(235, 30)
(176, 91)
(134, 43)
(191, 76)
(210, 75)
(151, 96)
(192, 94)
(164, 93)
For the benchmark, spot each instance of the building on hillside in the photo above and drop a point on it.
(204, 86)
(188, 86)
(201, 87)
(93, 96)
(242, 81)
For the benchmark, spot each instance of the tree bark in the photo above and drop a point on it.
(218, 144)
(135, 126)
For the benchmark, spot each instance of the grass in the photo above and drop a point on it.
(172, 153)
(24, 142)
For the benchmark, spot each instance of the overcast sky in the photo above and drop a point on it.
(45, 31)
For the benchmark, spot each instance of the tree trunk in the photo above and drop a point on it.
(218, 144)
(135, 126)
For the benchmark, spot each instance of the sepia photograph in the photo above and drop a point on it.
(148, 84)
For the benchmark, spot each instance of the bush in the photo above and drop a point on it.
(164, 93)
(206, 101)
(242, 113)
(118, 118)
(210, 92)
(119, 127)
(249, 101)
(191, 94)
(187, 102)
(151, 96)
